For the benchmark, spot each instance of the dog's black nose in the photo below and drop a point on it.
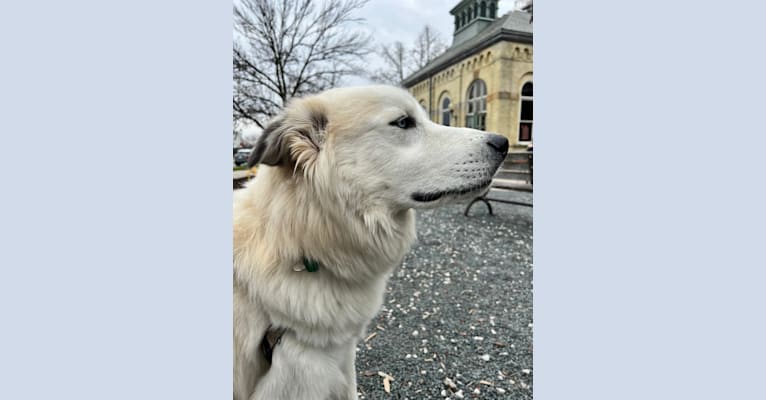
(497, 142)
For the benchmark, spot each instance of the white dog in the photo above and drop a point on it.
(328, 218)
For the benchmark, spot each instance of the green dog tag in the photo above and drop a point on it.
(311, 265)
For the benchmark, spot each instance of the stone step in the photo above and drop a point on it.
(512, 175)
(516, 160)
(514, 167)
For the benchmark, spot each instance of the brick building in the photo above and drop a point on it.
(484, 79)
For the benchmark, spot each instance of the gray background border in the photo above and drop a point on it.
(648, 200)
(116, 200)
(115, 282)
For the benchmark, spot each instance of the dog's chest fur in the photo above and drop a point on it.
(275, 226)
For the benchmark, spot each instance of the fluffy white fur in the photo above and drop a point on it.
(337, 183)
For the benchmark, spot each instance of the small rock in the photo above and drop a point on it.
(500, 390)
(526, 371)
(459, 394)
(415, 333)
(477, 391)
(485, 357)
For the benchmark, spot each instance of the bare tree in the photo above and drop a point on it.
(288, 48)
(428, 45)
(395, 57)
(401, 61)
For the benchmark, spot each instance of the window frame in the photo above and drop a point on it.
(443, 110)
(531, 123)
(476, 106)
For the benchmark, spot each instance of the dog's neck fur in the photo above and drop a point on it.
(297, 223)
(279, 219)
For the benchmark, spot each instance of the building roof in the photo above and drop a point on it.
(460, 5)
(514, 26)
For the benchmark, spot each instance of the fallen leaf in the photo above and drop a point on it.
(385, 375)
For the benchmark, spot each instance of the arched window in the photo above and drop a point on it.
(445, 110)
(492, 10)
(423, 104)
(457, 22)
(464, 20)
(525, 118)
(476, 112)
(483, 9)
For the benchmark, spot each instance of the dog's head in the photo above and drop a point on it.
(375, 147)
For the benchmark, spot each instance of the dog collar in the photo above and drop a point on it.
(311, 265)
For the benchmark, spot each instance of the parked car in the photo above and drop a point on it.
(241, 156)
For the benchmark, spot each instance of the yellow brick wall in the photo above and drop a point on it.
(504, 67)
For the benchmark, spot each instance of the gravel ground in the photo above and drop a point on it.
(459, 310)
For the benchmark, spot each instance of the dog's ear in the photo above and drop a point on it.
(292, 139)
(269, 148)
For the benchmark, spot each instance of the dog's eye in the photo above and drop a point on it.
(405, 122)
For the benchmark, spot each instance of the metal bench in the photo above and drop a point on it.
(514, 175)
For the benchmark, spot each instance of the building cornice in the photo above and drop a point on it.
(460, 5)
(438, 65)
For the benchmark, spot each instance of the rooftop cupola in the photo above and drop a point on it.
(471, 17)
